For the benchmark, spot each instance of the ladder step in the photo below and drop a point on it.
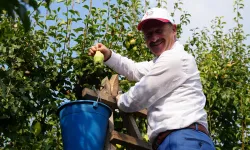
(129, 141)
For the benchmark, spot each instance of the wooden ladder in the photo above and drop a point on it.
(133, 140)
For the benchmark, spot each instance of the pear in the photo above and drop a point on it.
(37, 128)
(118, 146)
(134, 48)
(132, 41)
(98, 58)
(145, 137)
(127, 44)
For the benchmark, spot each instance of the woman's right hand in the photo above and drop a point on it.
(102, 48)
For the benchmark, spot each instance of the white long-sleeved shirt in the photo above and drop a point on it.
(168, 86)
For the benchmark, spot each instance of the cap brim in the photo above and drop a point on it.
(139, 27)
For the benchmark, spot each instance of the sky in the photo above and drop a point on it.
(202, 13)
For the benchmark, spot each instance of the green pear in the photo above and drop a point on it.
(132, 41)
(145, 137)
(37, 128)
(134, 48)
(98, 58)
(118, 146)
(127, 44)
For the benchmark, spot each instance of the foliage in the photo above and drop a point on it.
(49, 65)
(15, 6)
(223, 60)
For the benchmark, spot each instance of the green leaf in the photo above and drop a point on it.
(33, 3)
(80, 29)
(86, 6)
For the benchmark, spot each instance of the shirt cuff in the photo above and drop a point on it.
(124, 106)
(111, 62)
(119, 105)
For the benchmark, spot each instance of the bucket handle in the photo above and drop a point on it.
(95, 104)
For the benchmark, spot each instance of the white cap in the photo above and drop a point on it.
(160, 14)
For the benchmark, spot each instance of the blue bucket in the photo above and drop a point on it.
(84, 124)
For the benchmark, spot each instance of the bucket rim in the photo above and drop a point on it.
(80, 101)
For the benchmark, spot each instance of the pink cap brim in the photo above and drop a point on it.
(144, 21)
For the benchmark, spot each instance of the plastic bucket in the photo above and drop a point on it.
(84, 124)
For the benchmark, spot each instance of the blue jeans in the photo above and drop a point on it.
(187, 139)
